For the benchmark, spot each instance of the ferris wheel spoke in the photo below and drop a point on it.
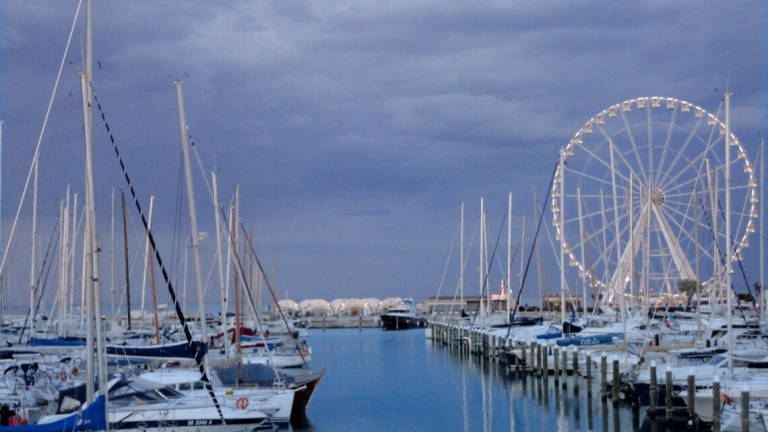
(667, 141)
(616, 150)
(688, 139)
(589, 214)
(697, 160)
(682, 230)
(606, 164)
(650, 142)
(687, 217)
(634, 145)
(589, 176)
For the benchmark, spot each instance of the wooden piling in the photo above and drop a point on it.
(716, 403)
(654, 392)
(575, 362)
(668, 391)
(691, 384)
(589, 377)
(616, 382)
(564, 369)
(544, 359)
(745, 411)
(556, 356)
(603, 378)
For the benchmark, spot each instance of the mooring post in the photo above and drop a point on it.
(589, 376)
(716, 403)
(654, 391)
(616, 382)
(556, 356)
(575, 362)
(544, 355)
(691, 384)
(564, 368)
(668, 391)
(745, 410)
(603, 377)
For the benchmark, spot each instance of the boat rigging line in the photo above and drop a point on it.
(179, 313)
(48, 251)
(533, 247)
(490, 265)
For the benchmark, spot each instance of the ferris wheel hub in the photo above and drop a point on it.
(658, 197)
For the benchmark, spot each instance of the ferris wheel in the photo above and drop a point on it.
(638, 200)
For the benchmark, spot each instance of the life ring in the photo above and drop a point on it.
(242, 402)
(63, 376)
(75, 371)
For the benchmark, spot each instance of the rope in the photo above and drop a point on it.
(490, 265)
(166, 278)
(530, 255)
(39, 276)
(40, 139)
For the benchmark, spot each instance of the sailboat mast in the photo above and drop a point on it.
(728, 248)
(583, 245)
(222, 286)
(763, 292)
(32, 260)
(112, 255)
(461, 258)
(2, 299)
(562, 236)
(192, 213)
(146, 258)
(94, 312)
(482, 261)
(509, 250)
(125, 255)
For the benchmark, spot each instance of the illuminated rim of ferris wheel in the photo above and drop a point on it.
(632, 142)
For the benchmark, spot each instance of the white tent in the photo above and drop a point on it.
(289, 306)
(316, 307)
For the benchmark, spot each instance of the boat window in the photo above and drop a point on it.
(168, 393)
(198, 385)
(184, 386)
(715, 360)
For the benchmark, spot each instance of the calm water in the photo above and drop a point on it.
(384, 381)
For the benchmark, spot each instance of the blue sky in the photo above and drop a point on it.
(354, 129)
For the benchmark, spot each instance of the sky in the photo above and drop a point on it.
(354, 129)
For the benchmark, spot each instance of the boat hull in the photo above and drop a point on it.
(399, 322)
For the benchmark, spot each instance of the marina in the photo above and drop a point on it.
(303, 216)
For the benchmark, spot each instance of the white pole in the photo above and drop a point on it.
(522, 249)
(620, 287)
(65, 258)
(728, 248)
(60, 296)
(222, 287)
(482, 239)
(72, 253)
(632, 241)
(32, 260)
(509, 251)
(146, 259)
(112, 255)
(461, 258)
(2, 302)
(763, 291)
(192, 214)
(539, 266)
(584, 273)
(562, 236)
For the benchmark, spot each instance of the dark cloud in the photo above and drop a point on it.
(355, 129)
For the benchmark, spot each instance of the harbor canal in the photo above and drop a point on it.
(378, 380)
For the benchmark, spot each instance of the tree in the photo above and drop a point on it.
(689, 288)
